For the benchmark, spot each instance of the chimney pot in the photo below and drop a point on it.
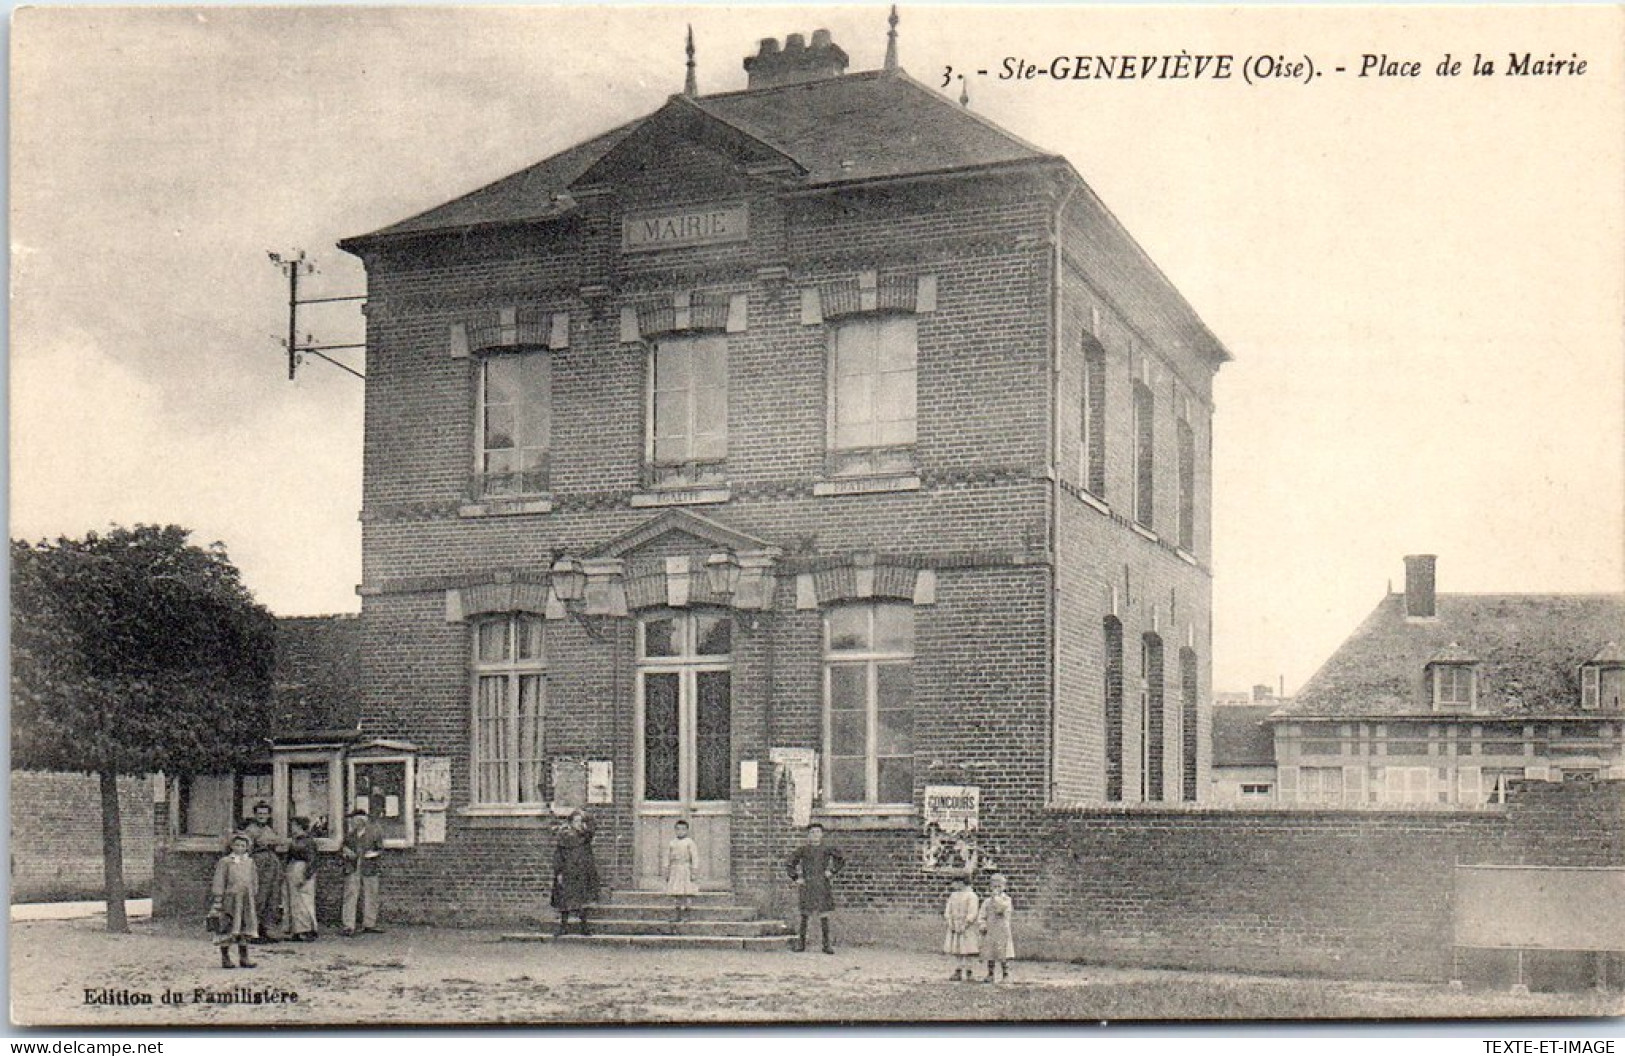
(796, 63)
(1420, 591)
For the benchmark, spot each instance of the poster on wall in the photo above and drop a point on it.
(951, 818)
(569, 783)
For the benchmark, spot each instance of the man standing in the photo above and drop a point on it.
(266, 855)
(363, 852)
(812, 866)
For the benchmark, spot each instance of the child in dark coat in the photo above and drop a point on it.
(232, 900)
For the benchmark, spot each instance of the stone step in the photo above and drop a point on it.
(666, 926)
(652, 910)
(688, 942)
(635, 896)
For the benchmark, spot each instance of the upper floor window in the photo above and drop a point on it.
(869, 703)
(1187, 485)
(1453, 685)
(1602, 686)
(515, 410)
(1145, 448)
(873, 366)
(510, 693)
(688, 410)
(1092, 428)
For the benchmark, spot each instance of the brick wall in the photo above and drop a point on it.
(1344, 893)
(56, 836)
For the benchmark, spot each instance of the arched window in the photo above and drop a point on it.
(1145, 452)
(1151, 718)
(1112, 638)
(1092, 429)
(1188, 688)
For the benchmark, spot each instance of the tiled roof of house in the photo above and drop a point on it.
(318, 660)
(844, 129)
(1528, 649)
(1241, 737)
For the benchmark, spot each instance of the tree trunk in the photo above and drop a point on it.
(113, 854)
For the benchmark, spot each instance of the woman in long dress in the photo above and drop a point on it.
(301, 880)
(575, 874)
(682, 869)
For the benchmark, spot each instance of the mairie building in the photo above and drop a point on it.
(818, 451)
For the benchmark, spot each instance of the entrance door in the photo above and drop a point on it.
(684, 746)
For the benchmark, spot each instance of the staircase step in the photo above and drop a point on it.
(720, 928)
(633, 895)
(650, 910)
(689, 942)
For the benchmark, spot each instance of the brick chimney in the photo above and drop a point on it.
(797, 63)
(1419, 586)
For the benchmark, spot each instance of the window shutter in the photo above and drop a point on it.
(1590, 679)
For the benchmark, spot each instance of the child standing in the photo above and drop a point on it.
(682, 869)
(231, 903)
(961, 943)
(998, 944)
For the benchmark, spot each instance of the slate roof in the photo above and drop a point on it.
(1528, 648)
(1241, 737)
(860, 126)
(317, 674)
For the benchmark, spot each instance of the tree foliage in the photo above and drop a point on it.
(133, 652)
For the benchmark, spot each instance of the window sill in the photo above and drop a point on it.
(1186, 556)
(528, 816)
(1090, 500)
(506, 507)
(867, 485)
(1143, 530)
(698, 495)
(854, 818)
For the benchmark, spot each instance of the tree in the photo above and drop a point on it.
(135, 652)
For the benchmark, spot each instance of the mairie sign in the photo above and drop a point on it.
(702, 225)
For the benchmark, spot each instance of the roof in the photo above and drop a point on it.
(532, 194)
(867, 126)
(1241, 737)
(1528, 649)
(317, 678)
(861, 126)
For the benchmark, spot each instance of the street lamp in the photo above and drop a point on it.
(568, 579)
(722, 574)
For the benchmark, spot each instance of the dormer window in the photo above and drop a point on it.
(1452, 686)
(1602, 679)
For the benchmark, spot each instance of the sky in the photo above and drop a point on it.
(1422, 280)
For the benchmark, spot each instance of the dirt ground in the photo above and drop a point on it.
(440, 976)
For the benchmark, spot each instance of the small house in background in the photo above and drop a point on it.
(1446, 699)
(312, 748)
(1243, 754)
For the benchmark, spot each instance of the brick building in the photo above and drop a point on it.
(781, 454)
(1452, 698)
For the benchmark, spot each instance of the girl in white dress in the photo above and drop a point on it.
(682, 869)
